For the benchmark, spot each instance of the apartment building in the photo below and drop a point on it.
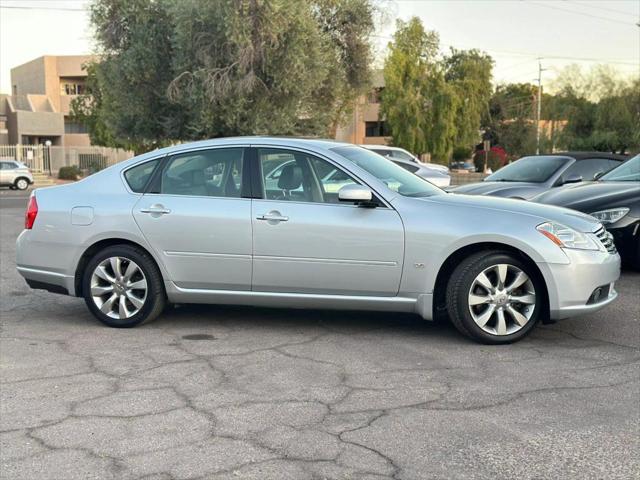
(365, 124)
(38, 108)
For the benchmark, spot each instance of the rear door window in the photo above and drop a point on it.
(137, 177)
(204, 173)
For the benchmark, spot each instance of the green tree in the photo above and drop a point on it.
(417, 102)
(173, 70)
(508, 121)
(601, 109)
(469, 72)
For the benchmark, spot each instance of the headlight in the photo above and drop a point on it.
(566, 237)
(611, 215)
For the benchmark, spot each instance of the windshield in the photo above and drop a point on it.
(396, 178)
(629, 171)
(529, 169)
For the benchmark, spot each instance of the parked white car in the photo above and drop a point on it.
(397, 153)
(15, 174)
(436, 174)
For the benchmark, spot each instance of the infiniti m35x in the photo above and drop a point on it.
(200, 223)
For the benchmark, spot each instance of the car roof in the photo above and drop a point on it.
(317, 143)
(588, 155)
(379, 147)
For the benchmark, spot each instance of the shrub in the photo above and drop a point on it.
(460, 154)
(494, 160)
(69, 173)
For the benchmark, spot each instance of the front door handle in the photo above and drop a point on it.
(273, 216)
(156, 209)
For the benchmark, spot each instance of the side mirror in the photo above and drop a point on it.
(598, 175)
(572, 179)
(357, 194)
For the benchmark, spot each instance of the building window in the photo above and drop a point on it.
(375, 95)
(376, 129)
(72, 88)
(74, 127)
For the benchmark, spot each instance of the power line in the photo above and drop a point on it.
(604, 9)
(532, 55)
(31, 7)
(584, 14)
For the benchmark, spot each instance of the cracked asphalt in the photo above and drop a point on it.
(239, 392)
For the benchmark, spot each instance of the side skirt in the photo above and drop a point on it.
(419, 304)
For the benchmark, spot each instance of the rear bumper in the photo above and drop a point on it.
(41, 264)
(571, 286)
(439, 181)
(46, 280)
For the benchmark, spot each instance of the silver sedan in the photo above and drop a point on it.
(337, 227)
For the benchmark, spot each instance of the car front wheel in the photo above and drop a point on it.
(123, 287)
(22, 184)
(494, 297)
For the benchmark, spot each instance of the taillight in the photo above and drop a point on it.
(32, 212)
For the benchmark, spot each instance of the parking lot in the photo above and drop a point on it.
(239, 392)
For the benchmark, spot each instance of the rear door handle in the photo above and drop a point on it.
(272, 217)
(156, 210)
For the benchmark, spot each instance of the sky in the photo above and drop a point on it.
(514, 32)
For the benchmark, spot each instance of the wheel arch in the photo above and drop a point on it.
(101, 245)
(21, 177)
(454, 259)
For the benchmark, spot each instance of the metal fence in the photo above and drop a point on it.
(43, 159)
(462, 178)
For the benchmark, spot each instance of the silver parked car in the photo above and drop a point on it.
(200, 223)
(15, 175)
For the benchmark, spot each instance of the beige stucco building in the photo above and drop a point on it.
(365, 124)
(38, 108)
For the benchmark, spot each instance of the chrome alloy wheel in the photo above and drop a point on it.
(22, 184)
(118, 287)
(502, 299)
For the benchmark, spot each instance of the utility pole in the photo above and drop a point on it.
(540, 70)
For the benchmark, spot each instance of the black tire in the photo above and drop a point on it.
(155, 298)
(459, 287)
(21, 185)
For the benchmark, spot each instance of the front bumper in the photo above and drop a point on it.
(626, 236)
(571, 286)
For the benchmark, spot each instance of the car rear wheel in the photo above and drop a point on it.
(494, 297)
(21, 183)
(122, 286)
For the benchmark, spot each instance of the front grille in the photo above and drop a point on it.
(606, 239)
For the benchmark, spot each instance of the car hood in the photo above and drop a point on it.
(502, 189)
(591, 196)
(571, 218)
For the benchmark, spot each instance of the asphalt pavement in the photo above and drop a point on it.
(251, 393)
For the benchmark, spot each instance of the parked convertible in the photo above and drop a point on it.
(529, 176)
(614, 199)
(200, 223)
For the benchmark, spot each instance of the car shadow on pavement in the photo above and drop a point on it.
(296, 320)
